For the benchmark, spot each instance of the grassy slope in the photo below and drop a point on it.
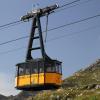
(64, 94)
(80, 86)
(85, 77)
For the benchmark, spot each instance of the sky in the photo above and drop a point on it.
(77, 45)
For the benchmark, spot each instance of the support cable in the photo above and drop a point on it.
(53, 39)
(10, 24)
(46, 28)
(69, 3)
(55, 28)
(59, 10)
(18, 22)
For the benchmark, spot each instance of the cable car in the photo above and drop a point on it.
(39, 73)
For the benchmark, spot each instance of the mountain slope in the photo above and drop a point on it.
(90, 75)
(83, 85)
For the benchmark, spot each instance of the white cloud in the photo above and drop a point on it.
(7, 85)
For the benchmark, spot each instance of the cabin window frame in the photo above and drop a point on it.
(27, 69)
(58, 66)
(34, 67)
(40, 67)
(21, 70)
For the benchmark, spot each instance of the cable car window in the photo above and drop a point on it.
(21, 70)
(50, 67)
(27, 69)
(41, 67)
(58, 68)
(34, 67)
(53, 69)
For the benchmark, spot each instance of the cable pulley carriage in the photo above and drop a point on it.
(38, 73)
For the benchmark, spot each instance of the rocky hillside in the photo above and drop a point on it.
(83, 85)
(24, 95)
(88, 76)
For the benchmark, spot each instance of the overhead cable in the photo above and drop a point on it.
(55, 28)
(55, 38)
(10, 24)
(18, 22)
(69, 3)
(78, 4)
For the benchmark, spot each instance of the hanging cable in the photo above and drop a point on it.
(59, 10)
(55, 28)
(74, 33)
(53, 39)
(19, 21)
(12, 50)
(69, 3)
(46, 27)
(10, 24)
(75, 22)
(14, 40)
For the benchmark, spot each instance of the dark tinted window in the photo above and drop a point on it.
(24, 69)
(58, 68)
(21, 69)
(41, 67)
(34, 67)
(50, 67)
(27, 69)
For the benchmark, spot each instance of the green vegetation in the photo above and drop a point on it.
(83, 85)
(68, 94)
(85, 77)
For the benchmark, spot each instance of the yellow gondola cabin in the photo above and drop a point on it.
(41, 73)
(38, 75)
